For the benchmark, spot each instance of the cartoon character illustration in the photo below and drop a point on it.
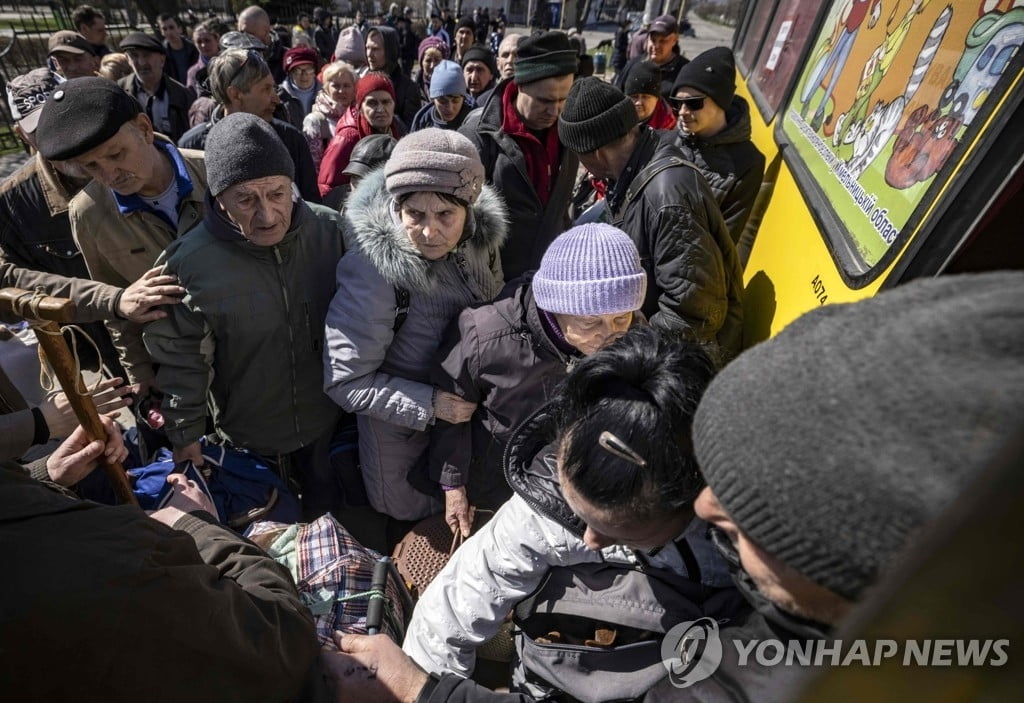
(870, 135)
(837, 51)
(876, 67)
(929, 137)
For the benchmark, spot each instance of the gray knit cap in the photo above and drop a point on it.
(832, 444)
(592, 269)
(436, 161)
(243, 147)
(596, 113)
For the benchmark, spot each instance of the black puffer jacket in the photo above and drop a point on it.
(533, 226)
(500, 357)
(730, 162)
(695, 283)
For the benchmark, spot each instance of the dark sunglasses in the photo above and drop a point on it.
(691, 104)
(255, 56)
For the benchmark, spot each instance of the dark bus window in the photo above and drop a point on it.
(891, 112)
(753, 33)
(781, 51)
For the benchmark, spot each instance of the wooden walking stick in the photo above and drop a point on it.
(44, 313)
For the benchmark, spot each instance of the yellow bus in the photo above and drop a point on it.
(894, 135)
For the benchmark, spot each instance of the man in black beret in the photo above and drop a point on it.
(516, 128)
(164, 100)
(145, 193)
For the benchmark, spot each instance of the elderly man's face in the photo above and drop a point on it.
(778, 582)
(507, 51)
(660, 46)
(258, 28)
(126, 163)
(148, 65)
(71, 65)
(262, 208)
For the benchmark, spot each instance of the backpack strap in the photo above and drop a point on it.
(401, 308)
(653, 169)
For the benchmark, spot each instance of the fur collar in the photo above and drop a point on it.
(372, 226)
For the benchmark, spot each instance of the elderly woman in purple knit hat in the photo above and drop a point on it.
(507, 357)
(425, 234)
(431, 52)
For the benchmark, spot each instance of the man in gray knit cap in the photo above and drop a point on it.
(259, 275)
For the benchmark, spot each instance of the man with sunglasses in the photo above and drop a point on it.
(662, 49)
(662, 202)
(713, 130)
(241, 81)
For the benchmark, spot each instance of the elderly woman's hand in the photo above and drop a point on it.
(451, 408)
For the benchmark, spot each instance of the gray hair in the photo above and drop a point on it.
(235, 67)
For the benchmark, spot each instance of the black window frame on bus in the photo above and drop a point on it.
(976, 164)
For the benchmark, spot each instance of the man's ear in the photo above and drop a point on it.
(145, 125)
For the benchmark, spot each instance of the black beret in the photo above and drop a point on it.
(80, 115)
(141, 40)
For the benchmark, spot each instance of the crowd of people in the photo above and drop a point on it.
(524, 285)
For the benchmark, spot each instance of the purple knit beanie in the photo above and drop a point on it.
(592, 269)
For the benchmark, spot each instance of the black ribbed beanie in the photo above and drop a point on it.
(544, 55)
(713, 73)
(831, 444)
(243, 147)
(595, 113)
(644, 77)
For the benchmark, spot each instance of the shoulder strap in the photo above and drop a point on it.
(401, 308)
(653, 169)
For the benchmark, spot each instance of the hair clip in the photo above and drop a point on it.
(613, 445)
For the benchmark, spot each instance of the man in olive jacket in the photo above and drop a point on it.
(664, 204)
(259, 277)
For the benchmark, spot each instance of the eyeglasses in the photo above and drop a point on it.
(691, 104)
(304, 70)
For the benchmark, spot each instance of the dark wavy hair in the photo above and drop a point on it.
(644, 389)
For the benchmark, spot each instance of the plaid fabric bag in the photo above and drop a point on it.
(334, 575)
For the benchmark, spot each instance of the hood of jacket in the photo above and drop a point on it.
(737, 127)
(392, 49)
(532, 470)
(372, 224)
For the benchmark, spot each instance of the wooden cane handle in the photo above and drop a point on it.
(15, 301)
(57, 353)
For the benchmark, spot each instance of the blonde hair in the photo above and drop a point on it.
(115, 66)
(333, 69)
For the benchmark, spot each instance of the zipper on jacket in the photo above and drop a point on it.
(291, 333)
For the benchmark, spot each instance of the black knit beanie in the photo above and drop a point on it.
(713, 73)
(833, 443)
(465, 23)
(644, 77)
(544, 55)
(479, 52)
(596, 113)
(243, 147)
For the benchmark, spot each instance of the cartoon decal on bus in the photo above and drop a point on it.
(885, 100)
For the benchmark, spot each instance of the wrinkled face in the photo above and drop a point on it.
(431, 57)
(303, 76)
(433, 224)
(379, 110)
(375, 56)
(644, 104)
(261, 99)
(208, 43)
(589, 333)
(341, 88)
(698, 114)
(478, 76)
(449, 106)
(463, 39)
(660, 46)
(541, 102)
(262, 208)
(126, 162)
(148, 65)
(779, 582)
(607, 527)
(72, 65)
(170, 31)
(507, 52)
(94, 32)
